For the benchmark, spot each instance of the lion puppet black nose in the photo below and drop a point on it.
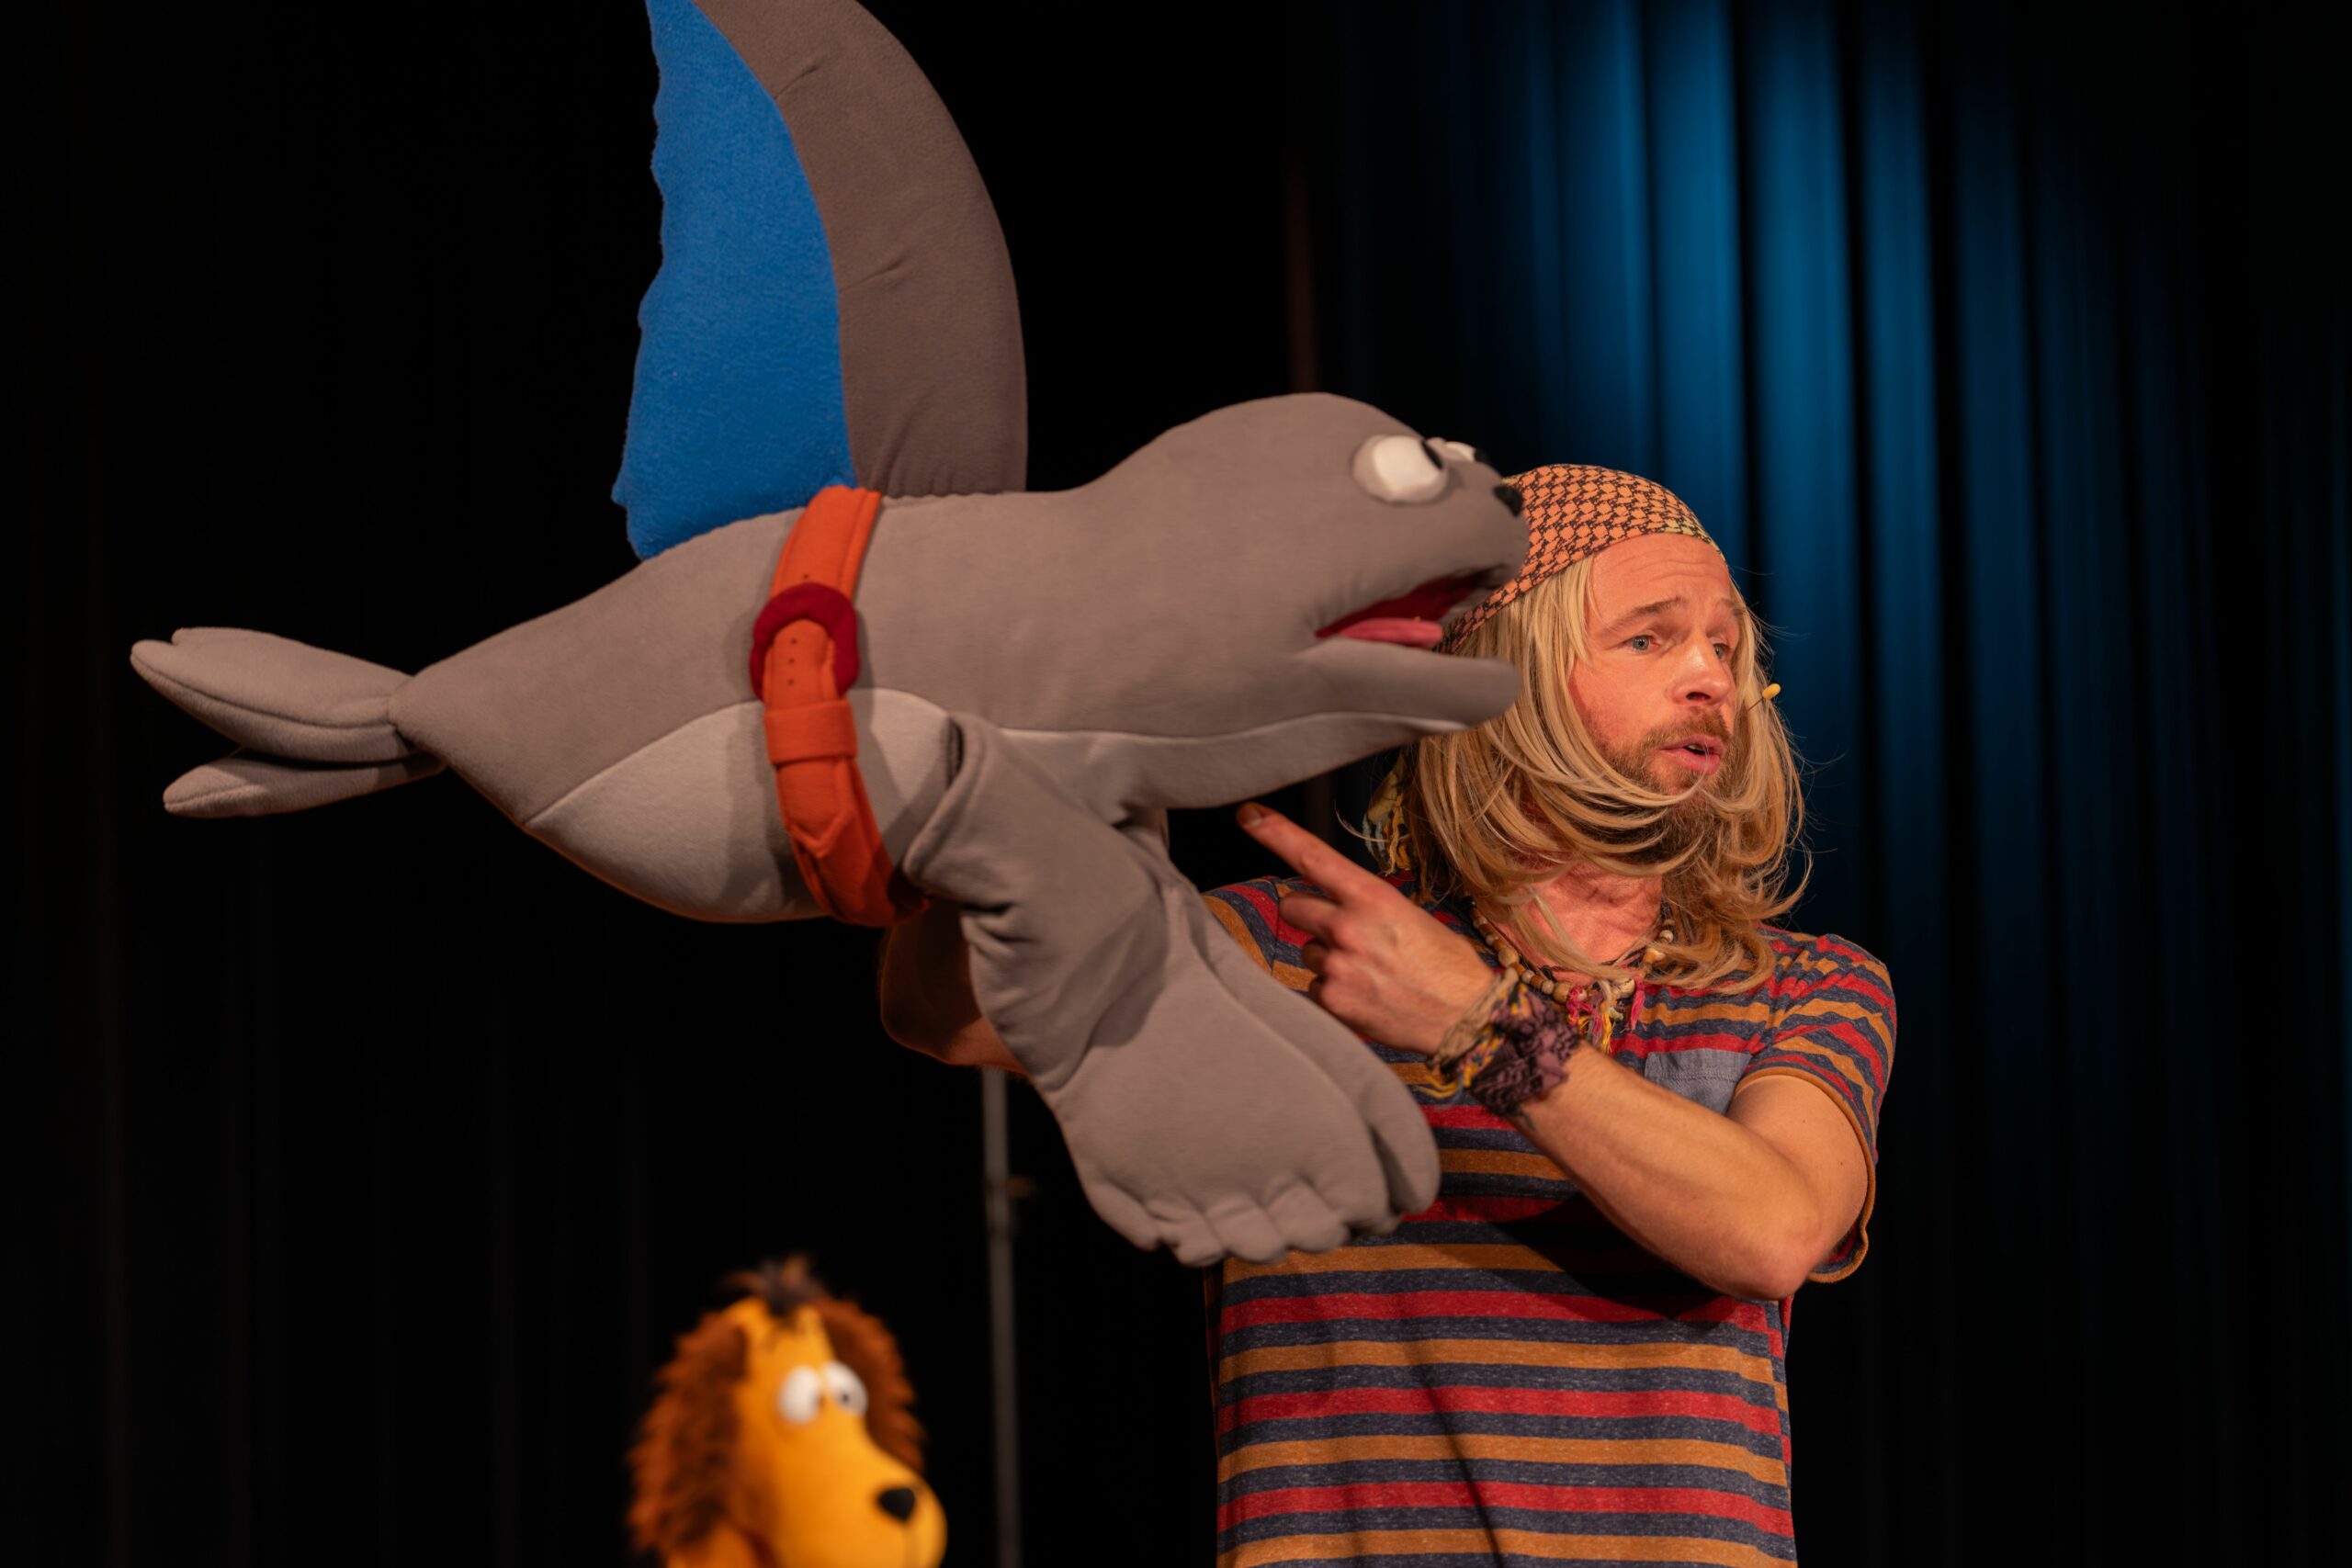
(899, 1502)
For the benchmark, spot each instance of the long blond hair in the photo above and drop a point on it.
(1492, 810)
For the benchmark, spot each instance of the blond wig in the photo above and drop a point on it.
(1493, 811)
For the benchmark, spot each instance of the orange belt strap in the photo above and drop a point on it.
(804, 656)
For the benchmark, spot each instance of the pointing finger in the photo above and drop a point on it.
(1334, 872)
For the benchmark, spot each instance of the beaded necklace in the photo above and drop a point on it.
(1598, 1004)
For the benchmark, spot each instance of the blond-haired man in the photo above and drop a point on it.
(1655, 1111)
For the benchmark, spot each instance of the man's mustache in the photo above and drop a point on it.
(1710, 724)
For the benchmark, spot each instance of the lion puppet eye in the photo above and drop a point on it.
(847, 1389)
(1402, 469)
(802, 1395)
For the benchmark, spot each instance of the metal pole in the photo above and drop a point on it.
(997, 1185)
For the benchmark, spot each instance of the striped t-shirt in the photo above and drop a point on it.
(1509, 1378)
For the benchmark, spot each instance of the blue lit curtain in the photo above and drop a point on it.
(2004, 351)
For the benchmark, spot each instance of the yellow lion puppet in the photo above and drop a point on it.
(783, 1438)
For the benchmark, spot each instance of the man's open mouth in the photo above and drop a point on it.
(1415, 619)
(1700, 753)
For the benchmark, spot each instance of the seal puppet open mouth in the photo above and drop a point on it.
(1417, 618)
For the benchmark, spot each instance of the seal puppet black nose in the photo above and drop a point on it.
(899, 1502)
(1508, 495)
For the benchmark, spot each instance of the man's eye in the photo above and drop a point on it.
(1723, 651)
(1641, 642)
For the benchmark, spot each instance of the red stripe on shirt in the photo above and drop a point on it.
(1519, 1305)
(1505, 1495)
(1269, 910)
(1465, 1398)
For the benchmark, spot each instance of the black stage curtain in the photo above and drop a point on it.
(369, 1159)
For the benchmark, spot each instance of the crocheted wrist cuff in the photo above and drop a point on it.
(1521, 1052)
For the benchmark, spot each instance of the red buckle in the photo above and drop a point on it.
(818, 602)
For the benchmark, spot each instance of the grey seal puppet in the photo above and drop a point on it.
(1038, 674)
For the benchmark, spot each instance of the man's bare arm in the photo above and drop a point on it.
(927, 1001)
(1748, 1203)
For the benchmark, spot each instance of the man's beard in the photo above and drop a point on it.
(1695, 815)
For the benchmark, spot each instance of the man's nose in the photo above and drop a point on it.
(1706, 680)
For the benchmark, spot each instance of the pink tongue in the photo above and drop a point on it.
(1397, 629)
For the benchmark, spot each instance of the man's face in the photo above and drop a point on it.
(1658, 691)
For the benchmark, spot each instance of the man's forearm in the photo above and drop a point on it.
(1714, 1197)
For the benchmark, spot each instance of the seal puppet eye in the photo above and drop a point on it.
(801, 1396)
(1468, 453)
(1402, 469)
(847, 1389)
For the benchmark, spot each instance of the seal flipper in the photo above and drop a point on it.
(1206, 1109)
(932, 380)
(835, 304)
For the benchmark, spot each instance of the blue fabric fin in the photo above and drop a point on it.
(738, 406)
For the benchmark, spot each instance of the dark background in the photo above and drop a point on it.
(368, 1158)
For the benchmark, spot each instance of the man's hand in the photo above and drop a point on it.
(1383, 967)
(926, 986)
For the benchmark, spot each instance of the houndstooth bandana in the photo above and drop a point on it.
(1574, 510)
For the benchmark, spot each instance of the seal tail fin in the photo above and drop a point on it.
(244, 783)
(313, 727)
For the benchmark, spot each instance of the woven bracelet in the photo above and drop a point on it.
(1469, 1039)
